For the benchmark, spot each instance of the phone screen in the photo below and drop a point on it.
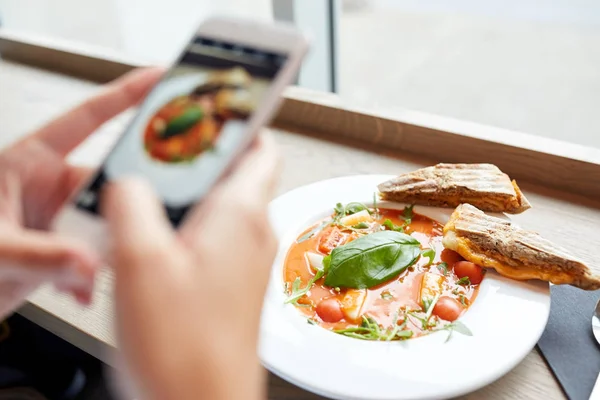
(191, 124)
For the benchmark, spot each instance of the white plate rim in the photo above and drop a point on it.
(365, 372)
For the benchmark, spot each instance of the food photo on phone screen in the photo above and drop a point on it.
(189, 127)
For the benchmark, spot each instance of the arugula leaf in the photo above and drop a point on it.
(408, 214)
(464, 281)
(429, 253)
(313, 231)
(425, 324)
(354, 207)
(361, 225)
(375, 208)
(391, 226)
(370, 330)
(371, 259)
(458, 327)
(298, 292)
(339, 209)
(443, 267)
(430, 307)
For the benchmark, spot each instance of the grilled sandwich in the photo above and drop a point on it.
(513, 252)
(449, 185)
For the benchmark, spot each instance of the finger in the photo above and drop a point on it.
(247, 190)
(28, 256)
(66, 132)
(258, 172)
(137, 222)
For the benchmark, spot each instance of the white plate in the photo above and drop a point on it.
(506, 319)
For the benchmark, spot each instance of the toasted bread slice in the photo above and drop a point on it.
(513, 252)
(448, 185)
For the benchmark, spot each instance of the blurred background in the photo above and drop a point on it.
(526, 65)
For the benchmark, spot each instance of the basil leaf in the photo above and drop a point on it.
(339, 209)
(326, 264)
(429, 253)
(371, 259)
(361, 225)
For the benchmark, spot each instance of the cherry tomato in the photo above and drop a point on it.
(448, 308)
(330, 239)
(330, 310)
(450, 257)
(473, 271)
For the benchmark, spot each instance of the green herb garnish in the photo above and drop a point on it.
(375, 208)
(464, 281)
(456, 326)
(408, 215)
(371, 260)
(425, 323)
(311, 321)
(297, 292)
(391, 226)
(429, 253)
(429, 304)
(443, 267)
(313, 231)
(361, 225)
(370, 330)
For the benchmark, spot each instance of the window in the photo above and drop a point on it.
(525, 65)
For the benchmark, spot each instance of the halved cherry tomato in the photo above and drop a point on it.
(330, 239)
(466, 268)
(448, 308)
(329, 310)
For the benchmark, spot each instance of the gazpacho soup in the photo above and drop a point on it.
(379, 274)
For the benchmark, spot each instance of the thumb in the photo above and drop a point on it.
(137, 222)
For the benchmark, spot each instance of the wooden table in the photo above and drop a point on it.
(30, 96)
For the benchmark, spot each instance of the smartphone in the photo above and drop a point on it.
(196, 121)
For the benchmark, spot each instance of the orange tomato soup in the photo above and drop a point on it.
(397, 302)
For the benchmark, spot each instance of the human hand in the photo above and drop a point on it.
(35, 181)
(188, 303)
